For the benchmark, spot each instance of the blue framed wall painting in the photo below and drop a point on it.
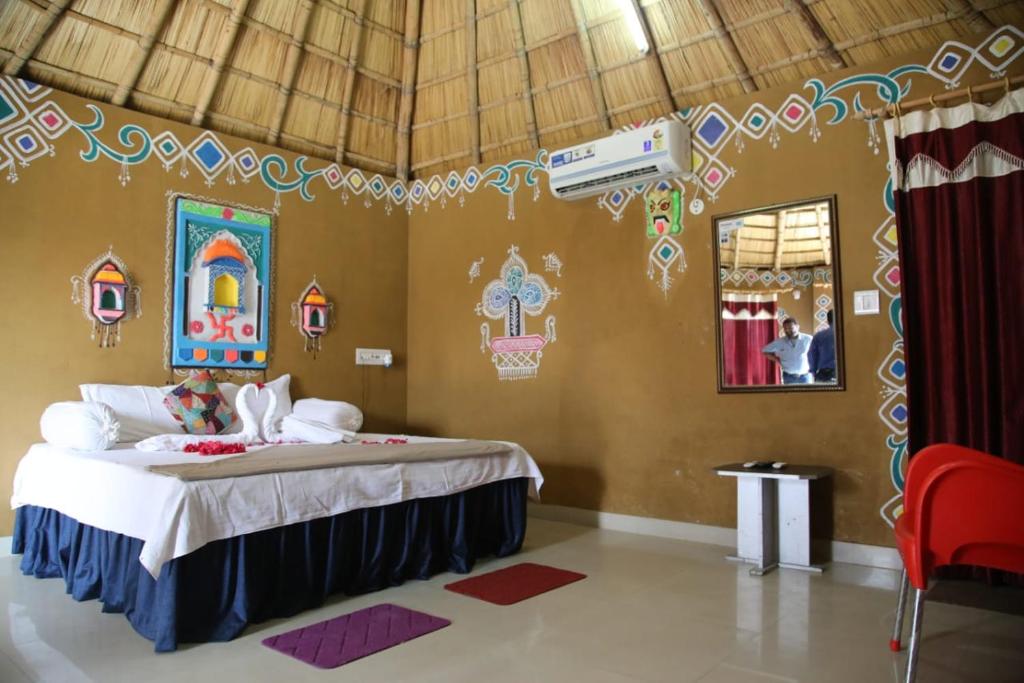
(221, 280)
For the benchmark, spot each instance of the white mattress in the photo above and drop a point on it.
(111, 490)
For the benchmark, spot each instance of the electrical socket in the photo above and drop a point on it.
(374, 357)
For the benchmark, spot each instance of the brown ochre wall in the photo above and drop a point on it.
(624, 415)
(63, 212)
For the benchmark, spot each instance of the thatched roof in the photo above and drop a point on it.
(386, 86)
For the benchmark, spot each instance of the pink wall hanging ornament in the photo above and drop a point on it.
(108, 296)
(313, 315)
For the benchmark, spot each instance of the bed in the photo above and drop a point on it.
(198, 560)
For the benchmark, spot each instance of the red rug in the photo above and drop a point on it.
(512, 584)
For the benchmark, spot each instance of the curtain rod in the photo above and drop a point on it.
(934, 99)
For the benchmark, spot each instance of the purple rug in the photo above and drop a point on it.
(338, 641)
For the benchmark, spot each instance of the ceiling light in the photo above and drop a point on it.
(630, 13)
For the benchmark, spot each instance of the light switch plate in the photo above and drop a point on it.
(374, 357)
(865, 302)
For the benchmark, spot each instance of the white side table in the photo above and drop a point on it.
(773, 516)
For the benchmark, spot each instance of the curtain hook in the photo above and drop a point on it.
(970, 95)
(931, 99)
(1006, 82)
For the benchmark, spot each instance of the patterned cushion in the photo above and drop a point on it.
(199, 406)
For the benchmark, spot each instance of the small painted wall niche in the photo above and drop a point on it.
(108, 296)
(313, 316)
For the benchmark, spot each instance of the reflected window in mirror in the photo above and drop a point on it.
(779, 322)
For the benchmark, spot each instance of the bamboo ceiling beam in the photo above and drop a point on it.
(597, 91)
(368, 163)
(472, 83)
(326, 4)
(553, 38)
(974, 16)
(410, 56)
(35, 37)
(731, 28)
(427, 37)
(519, 41)
(370, 23)
(732, 52)
(736, 248)
(554, 128)
(156, 23)
(98, 84)
(661, 80)
(823, 236)
(350, 80)
(300, 24)
(780, 238)
(504, 142)
(444, 78)
(904, 27)
(821, 39)
(220, 56)
(440, 160)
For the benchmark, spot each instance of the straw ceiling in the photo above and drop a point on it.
(781, 240)
(420, 87)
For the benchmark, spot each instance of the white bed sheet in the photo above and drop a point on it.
(112, 490)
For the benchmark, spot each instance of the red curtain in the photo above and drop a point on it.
(960, 215)
(746, 328)
(959, 194)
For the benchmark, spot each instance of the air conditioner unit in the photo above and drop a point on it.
(642, 155)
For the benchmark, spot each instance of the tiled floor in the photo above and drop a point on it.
(651, 609)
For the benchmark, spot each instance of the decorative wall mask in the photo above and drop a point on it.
(662, 206)
(108, 296)
(663, 209)
(220, 276)
(516, 294)
(313, 315)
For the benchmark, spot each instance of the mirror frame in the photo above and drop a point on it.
(837, 306)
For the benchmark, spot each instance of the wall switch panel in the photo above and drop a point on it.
(865, 302)
(374, 357)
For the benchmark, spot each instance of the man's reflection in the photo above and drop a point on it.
(821, 357)
(790, 351)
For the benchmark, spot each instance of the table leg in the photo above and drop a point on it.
(755, 523)
(795, 525)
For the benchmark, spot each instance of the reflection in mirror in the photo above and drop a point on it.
(778, 295)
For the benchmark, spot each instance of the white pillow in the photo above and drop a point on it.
(139, 409)
(337, 414)
(230, 392)
(81, 425)
(263, 408)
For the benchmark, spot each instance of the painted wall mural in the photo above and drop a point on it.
(29, 122)
(219, 282)
(108, 296)
(511, 298)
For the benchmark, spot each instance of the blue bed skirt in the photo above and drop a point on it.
(213, 593)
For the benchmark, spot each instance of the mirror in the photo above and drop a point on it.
(778, 297)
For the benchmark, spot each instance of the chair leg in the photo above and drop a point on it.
(897, 629)
(915, 634)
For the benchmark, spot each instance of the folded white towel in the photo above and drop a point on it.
(297, 429)
(335, 414)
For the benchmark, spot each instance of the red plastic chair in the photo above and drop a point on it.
(960, 506)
